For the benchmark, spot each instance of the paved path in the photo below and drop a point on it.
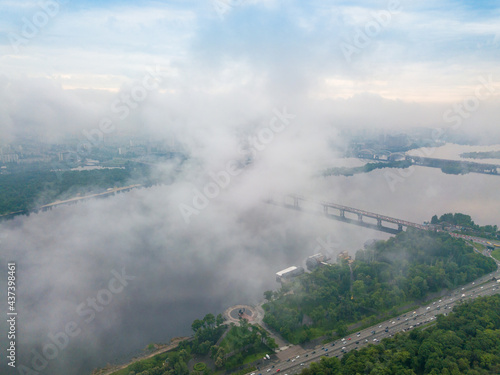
(173, 344)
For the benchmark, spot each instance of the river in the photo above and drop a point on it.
(175, 272)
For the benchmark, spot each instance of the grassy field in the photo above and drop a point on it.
(478, 246)
(496, 254)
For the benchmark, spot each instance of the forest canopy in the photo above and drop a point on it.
(467, 341)
(384, 277)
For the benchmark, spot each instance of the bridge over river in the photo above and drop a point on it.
(344, 213)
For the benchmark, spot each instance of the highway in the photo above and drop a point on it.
(483, 241)
(425, 314)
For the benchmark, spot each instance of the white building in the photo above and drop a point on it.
(289, 273)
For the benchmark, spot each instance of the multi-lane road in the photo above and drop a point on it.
(424, 315)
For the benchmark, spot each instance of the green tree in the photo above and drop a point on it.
(219, 320)
(209, 319)
(268, 294)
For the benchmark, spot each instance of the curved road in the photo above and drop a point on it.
(426, 314)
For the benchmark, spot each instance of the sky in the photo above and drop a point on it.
(404, 62)
(428, 51)
(217, 75)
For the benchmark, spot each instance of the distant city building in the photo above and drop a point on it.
(9, 158)
(314, 261)
(289, 273)
(66, 156)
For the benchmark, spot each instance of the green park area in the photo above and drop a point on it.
(219, 348)
(390, 275)
(27, 190)
(496, 254)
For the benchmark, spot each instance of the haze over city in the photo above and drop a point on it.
(228, 102)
